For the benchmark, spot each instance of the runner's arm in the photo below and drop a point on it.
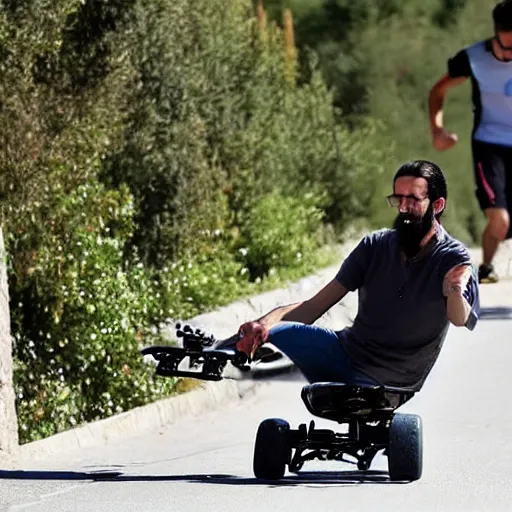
(436, 99)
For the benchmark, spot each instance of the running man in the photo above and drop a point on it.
(488, 64)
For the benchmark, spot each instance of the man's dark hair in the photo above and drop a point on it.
(502, 16)
(432, 173)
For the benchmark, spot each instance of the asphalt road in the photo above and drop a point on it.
(206, 463)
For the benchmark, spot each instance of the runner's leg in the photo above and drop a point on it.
(489, 167)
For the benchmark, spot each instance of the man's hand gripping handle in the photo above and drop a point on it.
(251, 336)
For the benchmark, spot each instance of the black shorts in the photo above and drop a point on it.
(493, 175)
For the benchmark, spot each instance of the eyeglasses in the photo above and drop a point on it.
(395, 200)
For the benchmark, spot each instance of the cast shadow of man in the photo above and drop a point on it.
(303, 478)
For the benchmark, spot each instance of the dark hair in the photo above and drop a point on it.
(502, 16)
(432, 173)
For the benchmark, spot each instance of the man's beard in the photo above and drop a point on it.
(412, 229)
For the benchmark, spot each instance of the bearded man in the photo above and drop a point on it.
(413, 281)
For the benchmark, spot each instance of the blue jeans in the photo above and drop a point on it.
(318, 354)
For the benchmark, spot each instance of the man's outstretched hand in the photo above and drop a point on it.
(251, 336)
(456, 279)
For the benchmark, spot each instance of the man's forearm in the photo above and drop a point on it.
(297, 312)
(457, 309)
(287, 313)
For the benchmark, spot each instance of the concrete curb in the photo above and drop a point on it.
(209, 396)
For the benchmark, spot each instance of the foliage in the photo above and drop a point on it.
(75, 358)
(140, 140)
(163, 157)
(278, 230)
(210, 277)
(217, 122)
(82, 314)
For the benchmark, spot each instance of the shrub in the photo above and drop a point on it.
(217, 121)
(81, 315)
(202, 281)
(280, 231)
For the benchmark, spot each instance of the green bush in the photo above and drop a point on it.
(217, 121)
(211, 277)
(165, 157)
(81, 316)
(280, 231)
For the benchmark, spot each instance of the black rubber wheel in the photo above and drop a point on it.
(405, 453)
(272, 449)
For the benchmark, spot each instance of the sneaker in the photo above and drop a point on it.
(487, 274)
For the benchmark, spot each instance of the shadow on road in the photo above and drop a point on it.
(303, 478)
(496, 313)
(57, 475)
(287, 374)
